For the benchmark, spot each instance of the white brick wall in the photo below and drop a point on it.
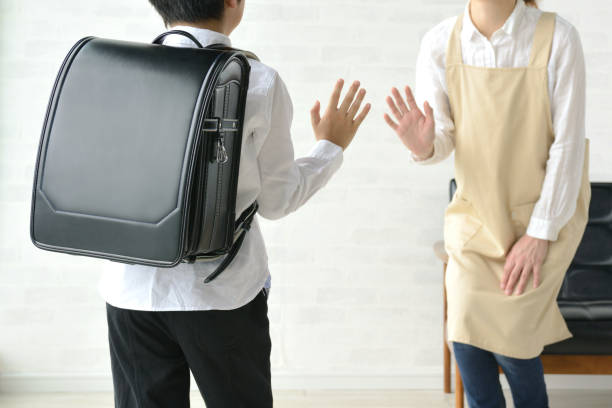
(357, 289)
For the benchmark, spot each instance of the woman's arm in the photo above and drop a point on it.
(558, 199)
(430, 86)
(429, 136)
(559, 195)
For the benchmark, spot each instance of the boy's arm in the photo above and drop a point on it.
(286, 183)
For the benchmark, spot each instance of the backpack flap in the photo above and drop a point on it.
(120, 147)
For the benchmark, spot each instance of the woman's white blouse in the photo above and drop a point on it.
(510, 46)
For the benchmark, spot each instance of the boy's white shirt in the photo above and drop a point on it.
(269, 174)
(510, 46)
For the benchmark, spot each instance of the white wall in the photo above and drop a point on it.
(357, 289)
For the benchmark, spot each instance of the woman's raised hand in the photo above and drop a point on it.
(416, 131)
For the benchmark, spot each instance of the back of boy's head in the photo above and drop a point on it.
(189, 11)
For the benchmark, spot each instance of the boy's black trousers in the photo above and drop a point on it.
(228, 353)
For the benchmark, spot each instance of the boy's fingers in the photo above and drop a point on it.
(354, 109)
(349, 97)
(394, 110)
(335, 96)
(390, 122)
(400, 101)
(364, 113)
(315, 114)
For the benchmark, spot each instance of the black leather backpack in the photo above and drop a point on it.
(139, 154)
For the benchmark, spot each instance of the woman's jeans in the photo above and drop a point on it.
(479, 371)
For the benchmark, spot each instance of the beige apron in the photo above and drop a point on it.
(503, 135)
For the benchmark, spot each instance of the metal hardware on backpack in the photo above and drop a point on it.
(139, 154)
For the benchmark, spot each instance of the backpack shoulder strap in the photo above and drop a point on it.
(160, 38)
(242, 226)
(218, 46)
(248, 54)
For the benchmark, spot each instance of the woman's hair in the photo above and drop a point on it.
(532, 3)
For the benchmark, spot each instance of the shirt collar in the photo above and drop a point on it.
(204, 36)
(509, 28)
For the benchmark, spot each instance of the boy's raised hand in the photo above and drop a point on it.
(340, 123)
(417, 131)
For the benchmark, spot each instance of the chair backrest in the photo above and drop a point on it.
(589, 277)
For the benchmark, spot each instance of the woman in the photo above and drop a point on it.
(507, 85)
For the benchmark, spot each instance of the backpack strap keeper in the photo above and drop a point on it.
(217, 125)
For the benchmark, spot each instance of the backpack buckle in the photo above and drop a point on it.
(218, 125)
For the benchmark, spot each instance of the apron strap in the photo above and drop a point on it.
(542, 40)
(454, 55)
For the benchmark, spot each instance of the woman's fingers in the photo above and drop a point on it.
(364, 113)
(400, 101)
(335, 96)
(514, 277)
(354, 109)
(525, 274)
(315, 114)
(394, 109)
(536, 276)
(390, 122)
(410, 98)
(349, 97)
(508, 268)
(429, 115)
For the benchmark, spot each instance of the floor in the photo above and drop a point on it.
(319, 399)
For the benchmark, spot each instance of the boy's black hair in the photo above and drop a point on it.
(189, 11)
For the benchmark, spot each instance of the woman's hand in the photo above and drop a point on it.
(416, 131)
(525, 258)
(339, 124)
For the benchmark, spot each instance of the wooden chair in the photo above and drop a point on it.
(585, 301)
(459, 395)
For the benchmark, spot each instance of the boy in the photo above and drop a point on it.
(163, 323)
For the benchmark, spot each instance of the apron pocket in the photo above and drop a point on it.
(460, 225)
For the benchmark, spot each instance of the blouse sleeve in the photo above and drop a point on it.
(557, 202)
(431, 87)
